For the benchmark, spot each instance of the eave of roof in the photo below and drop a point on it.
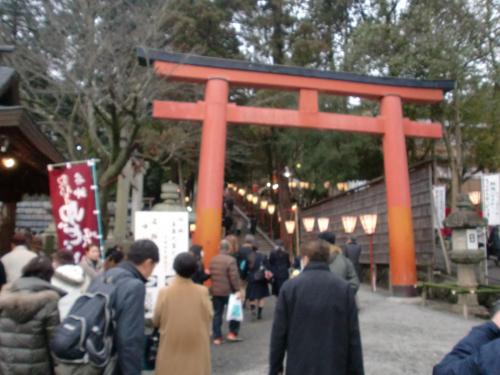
(30, 131)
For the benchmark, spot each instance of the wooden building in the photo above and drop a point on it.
(24, 154)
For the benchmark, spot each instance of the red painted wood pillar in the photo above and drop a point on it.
(211, 168)
(403, 273)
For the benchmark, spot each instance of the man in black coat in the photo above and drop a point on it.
(279, 262)
(130, 277)
(316, 321)
(352, 250)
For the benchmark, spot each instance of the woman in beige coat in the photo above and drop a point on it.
(183, 314)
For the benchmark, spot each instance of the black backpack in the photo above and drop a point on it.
(85, 336)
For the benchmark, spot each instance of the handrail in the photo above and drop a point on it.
(260, 231)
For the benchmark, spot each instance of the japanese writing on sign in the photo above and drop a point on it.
(170, 232)
(73, 207)
(439, 195)
(490, 197)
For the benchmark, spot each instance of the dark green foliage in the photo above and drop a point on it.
(425, 39)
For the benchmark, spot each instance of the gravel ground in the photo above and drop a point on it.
(398, 338)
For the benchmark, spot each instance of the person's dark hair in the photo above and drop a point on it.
(63, 257)
(37, 243)
(279, 245)
(18, 239)
(185, 265)
(88, 247)
(328, 237)
(317, 251)
(196, 251)
(352, 239)
(114, 254)
(249, 239)
(224, 246)
(142, 250)
(40, 267)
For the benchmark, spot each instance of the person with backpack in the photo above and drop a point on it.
(112, 258)
(183, 314)
(109, 319)
(28, 317)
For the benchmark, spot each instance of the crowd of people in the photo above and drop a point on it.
(315, 324)
(38, 293)
(304, 325)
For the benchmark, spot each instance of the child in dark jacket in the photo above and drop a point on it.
(200, 276)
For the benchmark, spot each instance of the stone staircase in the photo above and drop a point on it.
(264, 242)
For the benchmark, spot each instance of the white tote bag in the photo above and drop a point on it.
(234, 309)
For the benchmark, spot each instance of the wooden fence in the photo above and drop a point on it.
(371, 198)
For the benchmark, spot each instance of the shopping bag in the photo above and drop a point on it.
(234, 309)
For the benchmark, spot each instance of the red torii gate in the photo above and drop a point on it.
(216, 112)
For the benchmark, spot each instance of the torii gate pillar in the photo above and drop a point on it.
(211, 166)
(397, 184)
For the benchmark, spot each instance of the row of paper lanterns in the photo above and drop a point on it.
(251, 198)
(368, 222)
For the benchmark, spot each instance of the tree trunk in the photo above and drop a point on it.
(104, 195)
(458, 162)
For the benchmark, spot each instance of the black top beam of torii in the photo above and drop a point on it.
(147, 56)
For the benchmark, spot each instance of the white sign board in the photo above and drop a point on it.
(490, 197)
(439, 194)
(170, 232)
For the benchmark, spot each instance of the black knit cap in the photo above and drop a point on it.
(328, 237)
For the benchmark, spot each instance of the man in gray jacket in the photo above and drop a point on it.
(340, 265)
(130, 278)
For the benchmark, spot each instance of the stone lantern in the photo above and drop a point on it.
(465, 252)
(171, 199)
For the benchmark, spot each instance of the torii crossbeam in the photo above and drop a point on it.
(216, 112)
